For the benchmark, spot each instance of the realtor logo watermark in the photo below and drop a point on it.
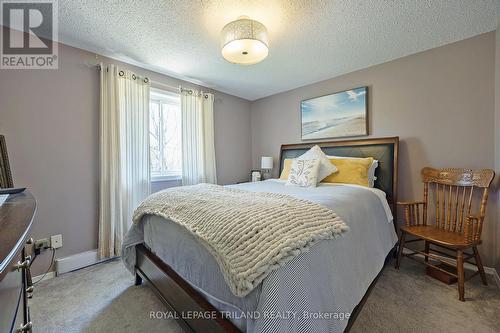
(28, 44)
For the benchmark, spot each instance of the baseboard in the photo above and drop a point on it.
(41, 277)
(77, 261)
(487, 270)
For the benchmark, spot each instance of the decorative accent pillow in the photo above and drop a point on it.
(350, 171)
(287, 165)
(303, 173)
(371, 170)
(325, 167)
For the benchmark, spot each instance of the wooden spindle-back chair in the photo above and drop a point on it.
(451, 217)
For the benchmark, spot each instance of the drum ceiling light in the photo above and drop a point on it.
(244, 41)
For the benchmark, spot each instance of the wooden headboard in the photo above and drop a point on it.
(385, 150)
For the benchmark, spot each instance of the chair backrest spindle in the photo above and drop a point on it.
(426, 200)
(455, 209)
(437, 204)
(448, 214)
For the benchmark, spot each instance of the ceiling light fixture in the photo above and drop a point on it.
(244, 41)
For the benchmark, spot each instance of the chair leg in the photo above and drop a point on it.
(460, 273)
(479, 265)
(400, 250)
(426, 251)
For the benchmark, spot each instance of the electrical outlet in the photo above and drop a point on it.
(42, 244)
(56, 241)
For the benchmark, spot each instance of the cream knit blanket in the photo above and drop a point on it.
(250, 234)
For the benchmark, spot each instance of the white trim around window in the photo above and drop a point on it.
(165, 178)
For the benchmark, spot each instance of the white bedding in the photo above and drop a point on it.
(325, 195)
(328, 280)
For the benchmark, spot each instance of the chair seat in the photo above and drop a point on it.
(439, 236)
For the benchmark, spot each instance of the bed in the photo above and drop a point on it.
(321, 290)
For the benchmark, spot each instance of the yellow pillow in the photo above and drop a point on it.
(287, 165)
(350, 171)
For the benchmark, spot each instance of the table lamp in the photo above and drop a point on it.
(266, 164)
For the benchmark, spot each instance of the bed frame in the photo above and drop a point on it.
(181, 298)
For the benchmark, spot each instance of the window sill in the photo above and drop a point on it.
(156, 179)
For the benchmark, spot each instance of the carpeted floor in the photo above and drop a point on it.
(103, 298)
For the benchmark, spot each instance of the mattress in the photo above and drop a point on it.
(316, 291)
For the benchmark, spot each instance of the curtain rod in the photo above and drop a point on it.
(164, 85)
(178, 88)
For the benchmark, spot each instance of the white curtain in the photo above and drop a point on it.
(124, 154)
(198, 148)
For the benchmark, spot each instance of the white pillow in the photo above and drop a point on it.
(303, 173)
(326, 168)
(371, 169)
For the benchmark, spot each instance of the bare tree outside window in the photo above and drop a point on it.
(165, 135)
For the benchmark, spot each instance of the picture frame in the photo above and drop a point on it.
(337, 115)
(5, 173)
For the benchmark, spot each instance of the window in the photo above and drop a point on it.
(165, 135)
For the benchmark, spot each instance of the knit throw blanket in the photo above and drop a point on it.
(250, 234)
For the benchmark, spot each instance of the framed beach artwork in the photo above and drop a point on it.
(337, 115)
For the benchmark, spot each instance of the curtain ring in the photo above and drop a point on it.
(146, 80)
(206, 96)
(190, 92)
(121, 73)
(134, 77)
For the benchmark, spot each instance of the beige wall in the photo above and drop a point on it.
(51, 122)
(440, 102)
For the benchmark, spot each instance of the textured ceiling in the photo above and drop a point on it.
(310, 40)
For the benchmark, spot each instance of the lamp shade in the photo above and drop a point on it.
(244, 41)
(266, 162)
